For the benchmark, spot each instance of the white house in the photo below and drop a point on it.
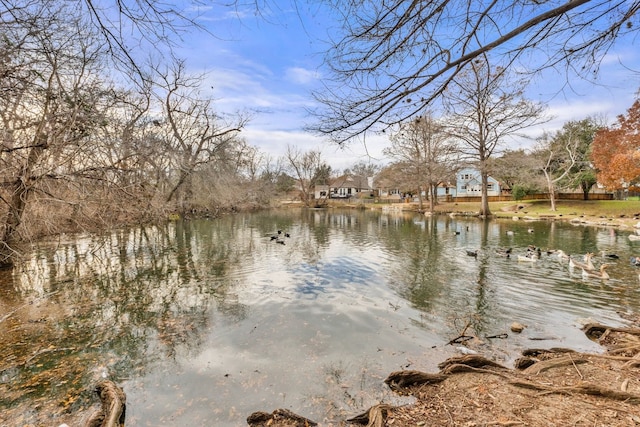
(347, 186)
(469, 184)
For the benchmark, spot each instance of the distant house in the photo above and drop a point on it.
(321, 192)
(446, 190)
(469, 184)
(347, 186)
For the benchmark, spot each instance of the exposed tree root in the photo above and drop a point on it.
(596, 330)
(535, 352)
(472, 360)
(583, 388)
(280, 417)
(374, 417)
(403, 379)
(544, 365)
(459, 369)
(470, 363)
(112, 412)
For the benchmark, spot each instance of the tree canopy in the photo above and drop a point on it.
(425, 154)
(615, 151)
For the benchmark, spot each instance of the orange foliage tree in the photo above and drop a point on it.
(615, 151)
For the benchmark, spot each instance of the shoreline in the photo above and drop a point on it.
(529, 211)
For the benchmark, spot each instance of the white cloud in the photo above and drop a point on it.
(275, 142)
(301, 75)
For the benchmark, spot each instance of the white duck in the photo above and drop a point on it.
(530, 257)
(562, 255)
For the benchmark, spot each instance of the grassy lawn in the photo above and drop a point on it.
(624, 211)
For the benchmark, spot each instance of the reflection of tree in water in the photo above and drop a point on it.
(109, 305)
(433, 265)
(482, 304)
(424, 272)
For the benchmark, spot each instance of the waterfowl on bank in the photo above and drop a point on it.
(598, 274)
(472, 253)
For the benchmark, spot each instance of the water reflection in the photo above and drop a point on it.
(204, 322)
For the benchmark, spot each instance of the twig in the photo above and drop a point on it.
(46, 350)
(574, 365)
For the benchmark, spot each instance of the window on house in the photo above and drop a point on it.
(464, 187)
(489, 186)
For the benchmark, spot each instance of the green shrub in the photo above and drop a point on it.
(519, 192)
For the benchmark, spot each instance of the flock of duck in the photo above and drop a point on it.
(583, 264)
(278, 237)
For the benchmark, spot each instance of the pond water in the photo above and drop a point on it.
(204, 322)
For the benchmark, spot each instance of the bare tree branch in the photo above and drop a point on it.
(397, 58)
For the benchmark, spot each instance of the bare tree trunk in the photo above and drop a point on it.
(18, 203)
(484, 209)
(432, 197)
(552, 189)
(585, 190)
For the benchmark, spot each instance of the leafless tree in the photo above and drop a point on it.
(195, 133)
(484, 108)
(309, 170)
(80, 151)
(518, 170)
(391, 60)
(363, 169)
(426, 153)
(53, 100)
(557, 155)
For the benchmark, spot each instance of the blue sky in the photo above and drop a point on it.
(269, 65)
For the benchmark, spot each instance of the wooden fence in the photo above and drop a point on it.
(540, 196)
(502, 198)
